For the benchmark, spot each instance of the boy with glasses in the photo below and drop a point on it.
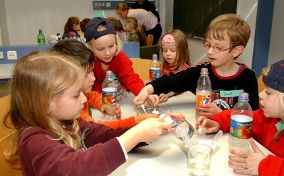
(226, 37)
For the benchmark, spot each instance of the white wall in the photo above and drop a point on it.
(24, 18)
(276, 50)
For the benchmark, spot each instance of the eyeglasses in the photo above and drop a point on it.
(216, 49)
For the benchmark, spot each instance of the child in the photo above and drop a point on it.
(71, 28)
(100, 36)
(136, 31)
(84, 55)
(46, 101)
(226, 38)
(175, 54)
(84, 23)
(149, 21)
(118, 27)
(267, 129)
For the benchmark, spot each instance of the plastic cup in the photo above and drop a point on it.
(199, 158)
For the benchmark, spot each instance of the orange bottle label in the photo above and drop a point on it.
(203, 99)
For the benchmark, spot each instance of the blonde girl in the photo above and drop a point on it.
(103, 41)
(136, 30)
(46, 101)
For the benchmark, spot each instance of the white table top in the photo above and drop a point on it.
(167, 156)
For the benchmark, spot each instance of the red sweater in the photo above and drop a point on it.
(94, 100)
(121, 65)
(40, 155)
(263, 131)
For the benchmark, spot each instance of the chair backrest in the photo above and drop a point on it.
(260, 83)
(146, 52)
(149, 39)
(141, 67)
(6, 135)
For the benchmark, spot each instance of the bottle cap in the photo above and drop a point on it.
(155, 57)
(243, 96)
(204, 71)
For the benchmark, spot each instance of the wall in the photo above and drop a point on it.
(276, 49)
(52, 21)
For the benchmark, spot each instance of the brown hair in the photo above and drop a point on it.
(237, 29)
(84, 23)
(118, 27)
(38, 78)
(138, 28)
(68, 27)
(122, 6)
(181, 49)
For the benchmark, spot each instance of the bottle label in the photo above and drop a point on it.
(241, 126)
(109, 95)
(154, 73)
(203, 98)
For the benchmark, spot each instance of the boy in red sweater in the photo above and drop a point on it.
(268, 125)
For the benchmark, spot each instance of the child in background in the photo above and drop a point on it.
(267, 128)
(102, 39)
(46, 101)
(146, 18)
(175, 54)
(84, 55)
(84, 23)
(136, 31)
(71, 28)
(226, 37)
(118, 27)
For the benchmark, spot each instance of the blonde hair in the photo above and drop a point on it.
(138, 28)
(118, 42)
(237, 30)
(181, 49)
(280, 95)
(38, 78)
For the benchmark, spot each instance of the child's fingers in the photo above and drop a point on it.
(254, 146)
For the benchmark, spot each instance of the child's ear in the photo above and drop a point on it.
(238, 50)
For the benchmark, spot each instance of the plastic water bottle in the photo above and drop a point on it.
(40, 38)
(109, 94)
(154, 70)
(241, 123)
(183, 130)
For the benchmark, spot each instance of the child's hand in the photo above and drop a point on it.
(209, 125)
(208, 109)
(164, 97)
(180, 117)
(143, 95)
(246, 162)
(142, 117)
(152, 101)
(112, 109)
(151, 129)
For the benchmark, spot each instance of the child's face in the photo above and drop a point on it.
(169, 53)
(104, 47)
(70, 104)
(122, 14)
(76, 27)
(219, 52)
(89, 81)
(269, 102)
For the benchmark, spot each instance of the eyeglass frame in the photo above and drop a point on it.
(220, 49)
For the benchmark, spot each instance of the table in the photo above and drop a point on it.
(167, 156)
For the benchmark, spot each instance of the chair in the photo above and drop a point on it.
(6, 135)
(260, 83)
(141, 67)
(149, 39)
(146, 52)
